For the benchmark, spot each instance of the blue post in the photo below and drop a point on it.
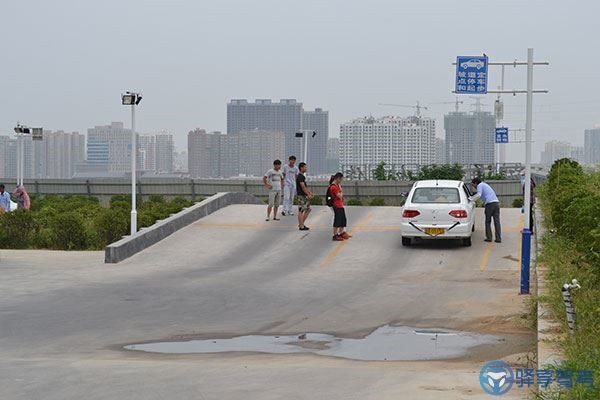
(525, 260)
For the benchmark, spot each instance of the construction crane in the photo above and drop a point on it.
(456, 103)
(417, 107)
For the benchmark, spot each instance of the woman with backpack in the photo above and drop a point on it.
(335, 197)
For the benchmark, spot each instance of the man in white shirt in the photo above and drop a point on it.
(4, 200)
(272, 181)
(290, 173)
(492, 208)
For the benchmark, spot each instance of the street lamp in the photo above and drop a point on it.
(303, 133)
(132, 99)
(21, 130)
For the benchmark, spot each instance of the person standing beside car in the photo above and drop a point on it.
(492, 208)
(4, 200)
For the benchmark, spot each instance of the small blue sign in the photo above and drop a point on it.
(502, 135)
(471, 75)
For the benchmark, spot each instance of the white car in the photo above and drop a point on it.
(438, 209)
(472, 64)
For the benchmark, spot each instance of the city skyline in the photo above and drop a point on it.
(78, 83)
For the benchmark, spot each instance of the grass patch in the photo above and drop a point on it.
(581, 349)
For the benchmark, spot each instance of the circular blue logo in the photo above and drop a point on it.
(496, 378)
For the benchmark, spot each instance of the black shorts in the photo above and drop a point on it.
(339, 218)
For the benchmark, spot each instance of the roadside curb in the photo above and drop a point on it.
(548, 352)
(130, 245)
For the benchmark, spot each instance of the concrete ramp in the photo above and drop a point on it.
(130, 245)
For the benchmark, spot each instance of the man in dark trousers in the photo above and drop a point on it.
(492, 208)
(304, 196)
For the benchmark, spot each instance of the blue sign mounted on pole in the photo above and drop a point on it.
(502, 135)
(471, 75)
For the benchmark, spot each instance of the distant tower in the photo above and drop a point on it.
(470, 137)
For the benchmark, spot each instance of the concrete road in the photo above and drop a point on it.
(65, 316)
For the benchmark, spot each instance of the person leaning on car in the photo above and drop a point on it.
(492, 208)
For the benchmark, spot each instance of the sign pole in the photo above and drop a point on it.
(526, 234)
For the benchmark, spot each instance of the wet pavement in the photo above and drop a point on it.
(387, 343)
(65, 317)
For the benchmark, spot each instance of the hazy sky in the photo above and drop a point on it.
(66, 62)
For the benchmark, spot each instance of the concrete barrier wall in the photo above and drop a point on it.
(130, 245)
(192, 189)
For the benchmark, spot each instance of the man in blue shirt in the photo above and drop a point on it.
(4, 199)
(492, 208)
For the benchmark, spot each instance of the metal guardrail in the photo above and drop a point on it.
(193, 189)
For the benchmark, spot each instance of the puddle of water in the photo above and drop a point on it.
(392, 343)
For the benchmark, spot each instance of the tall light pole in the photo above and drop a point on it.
(303, 133)
(21, 130)
(132, 99)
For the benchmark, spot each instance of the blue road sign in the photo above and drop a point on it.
(471, 75)
(502, 135)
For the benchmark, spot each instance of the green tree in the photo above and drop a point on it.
(443, 171)
(381, 174)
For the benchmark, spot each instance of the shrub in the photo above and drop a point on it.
(18, 227)
(354, 202)
(155, 198)
(79, 222)
(316, 201)
(377, 202)
(111, 224)
(67, 231)
(518, 202)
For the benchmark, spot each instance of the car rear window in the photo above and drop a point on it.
(436, 195)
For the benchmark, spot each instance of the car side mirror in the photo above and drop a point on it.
(404, 194)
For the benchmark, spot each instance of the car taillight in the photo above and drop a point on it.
(458, 213)
(410, 213)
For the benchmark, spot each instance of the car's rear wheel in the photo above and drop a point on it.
(466, 242)
(406, 241)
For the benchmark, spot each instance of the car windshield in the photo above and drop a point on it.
(436, 195)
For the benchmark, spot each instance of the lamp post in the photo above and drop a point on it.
(303, 133)
(132, 99)
(21, 130)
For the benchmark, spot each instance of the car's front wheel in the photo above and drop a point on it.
(406, 241)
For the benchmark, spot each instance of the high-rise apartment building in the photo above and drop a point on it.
(578, 154)
(470, 137)
(109, 148)
(285, 116)
(316, 121)
(591, 139)
(57, 154)
(165, 150)
(156, 153)
(257, 150)
(208, 155)
(333, 155)
(440, 151)
(146, 160)
(555, 150)
(393, 140)
(8, 157)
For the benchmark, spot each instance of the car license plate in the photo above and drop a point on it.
(435, 231)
